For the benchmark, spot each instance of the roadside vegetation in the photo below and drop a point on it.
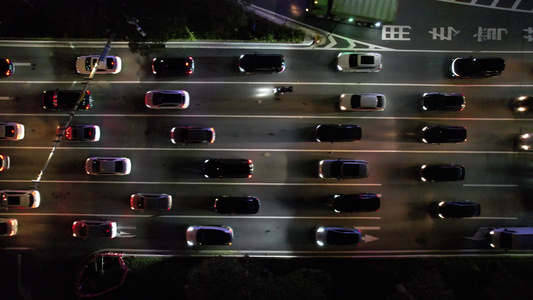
(145, 25)
(331, 278)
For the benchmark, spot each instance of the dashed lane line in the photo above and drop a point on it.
(202, 217)
(272, 150)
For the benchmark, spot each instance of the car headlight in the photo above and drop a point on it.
(441, 216)
(342, 107)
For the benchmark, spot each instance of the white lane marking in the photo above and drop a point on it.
(489, 185)
(352, 84)
(197, 183)
(281, 217)
(345, 116)
(352, 252)
(495, 218)
(196, 217)
(20, 64)
(272, 150)
(491, 6)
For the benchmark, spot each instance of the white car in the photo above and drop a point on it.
(8, 227)
(167, 99)
(108, 166)
(359, 62)
(20, 199)
(110, 65)
(209, 235)
(5, 162)
(362, 102)
(94, 229)
(11, 131)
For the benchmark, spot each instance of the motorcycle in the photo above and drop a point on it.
(281, 89)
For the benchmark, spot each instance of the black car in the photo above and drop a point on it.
(142, 201)
(338, 133)
(442, 172)
(192, 134)
(356, 203)
(443, 101)
(343, 168)
(6, 67)
(443, 134)
(338, 236)
(477, 67)
(166, 66)
(458, 209)
(209, 235)
(237, 205)
(257, 62)
(82, 133)
(228, 168)
(66, 99)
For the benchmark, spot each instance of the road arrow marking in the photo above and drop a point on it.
(368, 238)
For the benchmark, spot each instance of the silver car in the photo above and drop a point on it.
(359, 62)
(362, 102)
(8, 227)
(11, 131)
(108, 166)
(167, 99)
(20, 199)
(5, 162)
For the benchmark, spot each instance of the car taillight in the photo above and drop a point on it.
(68, 133)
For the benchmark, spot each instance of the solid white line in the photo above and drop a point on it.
(184, 149)
(199, 217)
(495, 218)
(194, 183)
(20, 64)
(490, 185)
(344, 116)
(279, 218)
(459, 84)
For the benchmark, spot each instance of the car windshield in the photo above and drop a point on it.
(13, 200)
(367, 59)
(212, 237)
(119, 167)
(506, 240)
(356, 101)
(110, 63)
(380, 101)
(96, 166)
(88, 133)
(83, 230)
(342, 237)
(3, 228)
(10, 131)
(351, 169)
(141, 202)
(106, 230)
(167, 99)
